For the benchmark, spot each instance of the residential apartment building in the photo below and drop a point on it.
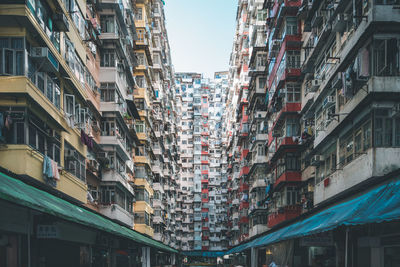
(202, 185)
(156, 156)
(78, 134)
(321, 108)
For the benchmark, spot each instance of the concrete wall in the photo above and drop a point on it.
(376, 162)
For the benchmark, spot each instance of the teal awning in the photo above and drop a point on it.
(17, 192)
(377, 205)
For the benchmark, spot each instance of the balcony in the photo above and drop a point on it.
(23, 160)
(288, 176)
(286, 141)
(112, 175)
(116, 212)
(244, 205)
(157, 203)
(244, 171)
(117, 142)
(258, 229)
(157, 219)
(376, 162)
(283, 214)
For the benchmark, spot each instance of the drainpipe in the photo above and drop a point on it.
(354, 13)
(347, 244)
(29, 238)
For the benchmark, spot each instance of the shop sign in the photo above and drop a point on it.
(47, 231)
(318, 240)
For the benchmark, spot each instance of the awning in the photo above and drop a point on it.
(17, 192)
(204, 254)
(380, 204)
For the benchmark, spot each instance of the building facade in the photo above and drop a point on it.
(315, 115)
(87, 114)
(203, 189)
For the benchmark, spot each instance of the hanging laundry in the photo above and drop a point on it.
(364, 63)
(8, 122)
(82, 136)
(56, 175)
(47, 167)
(86, 140)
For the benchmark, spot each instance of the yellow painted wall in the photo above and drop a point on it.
(145, 183)
(23, 10)
(21, 159)
(141, 206)
(144, 229)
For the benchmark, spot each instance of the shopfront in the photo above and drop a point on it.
(363, 231)
(38, 229)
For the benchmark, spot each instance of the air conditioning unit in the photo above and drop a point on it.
(328, 101)
(315, 84)
(276, 133)
(61, 22)
(45, 58)
(102, 155)
(276, 42)
(316, 160)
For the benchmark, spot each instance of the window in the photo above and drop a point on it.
(291, 25)
(292, 127)
(156, 59)
(386, 57)
(140, 81)
(140, 151)
(74, 162)
(261, 60)
(12, 56)
(293, 92)
(293, 59)
(140, 126)
(108, 58)
(262, 15)
(261, 150)
(292, 196)
(141, 58)
(292, 162)
(108, 23)
(139, 14)
(261, 82)
(383, 128)
(142, 195)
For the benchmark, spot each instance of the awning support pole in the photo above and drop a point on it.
(346, 248)
(29, 238)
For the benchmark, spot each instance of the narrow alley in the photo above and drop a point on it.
(134, 133)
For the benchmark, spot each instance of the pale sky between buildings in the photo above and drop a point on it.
(200, 33)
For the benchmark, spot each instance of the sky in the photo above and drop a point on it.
(200, 34)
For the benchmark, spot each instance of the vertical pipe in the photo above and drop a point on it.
(29, 238)
(346, 246)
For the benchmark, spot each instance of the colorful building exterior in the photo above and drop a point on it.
(202, 194)
(82, 86)
(310, 110)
